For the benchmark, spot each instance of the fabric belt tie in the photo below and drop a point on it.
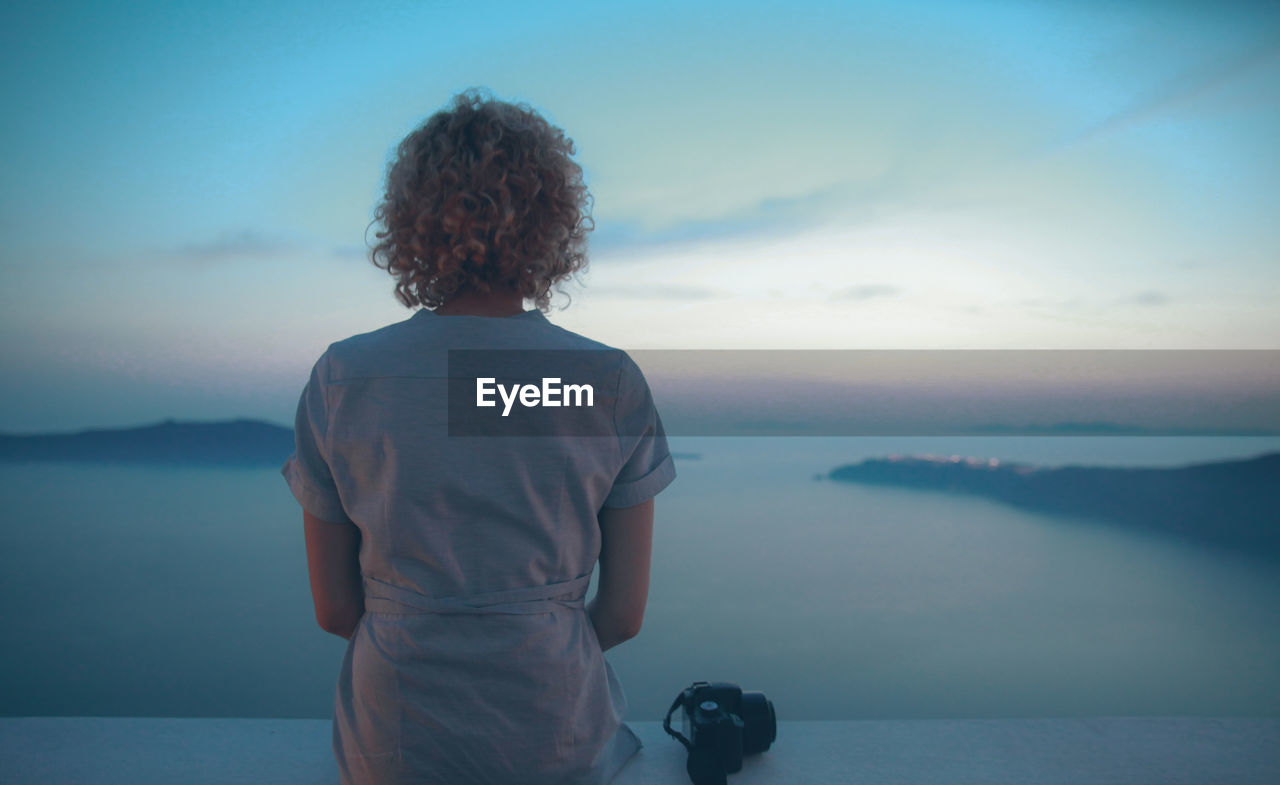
(383, 597)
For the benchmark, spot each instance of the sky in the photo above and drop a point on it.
(187, 187)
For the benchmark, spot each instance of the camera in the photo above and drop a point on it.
(722, 723)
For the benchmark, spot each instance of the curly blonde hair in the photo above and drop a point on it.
(483, 196)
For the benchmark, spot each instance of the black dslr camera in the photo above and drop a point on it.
(721, 724)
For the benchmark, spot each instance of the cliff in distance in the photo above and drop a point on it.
(231, 443)
(1233, 503)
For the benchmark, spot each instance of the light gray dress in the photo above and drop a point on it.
(475, 660)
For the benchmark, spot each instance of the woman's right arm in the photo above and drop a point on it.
(626, 545)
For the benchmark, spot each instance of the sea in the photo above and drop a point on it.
(178, 591)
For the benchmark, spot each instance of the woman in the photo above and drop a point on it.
(457, 565)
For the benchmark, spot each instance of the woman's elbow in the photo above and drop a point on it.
(341, 624)
(629, 627)
(623, 627)
(613, 626)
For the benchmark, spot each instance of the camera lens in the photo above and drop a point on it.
(759, 725)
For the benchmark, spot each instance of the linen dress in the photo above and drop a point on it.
(475, 660)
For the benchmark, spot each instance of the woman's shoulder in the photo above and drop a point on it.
(568, 339)
(373, 348)
(417, 345)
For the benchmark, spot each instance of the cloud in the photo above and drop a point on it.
(773, 217)
(1149, 297)
(350, 252)
(1056, 303)
(655, 292)
(1181, 89)
(1073, 308)
(233, 245)
(867, 291)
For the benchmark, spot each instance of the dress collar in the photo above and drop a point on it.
(533, 315)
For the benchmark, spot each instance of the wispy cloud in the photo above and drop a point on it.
(1050, 302)
(1082, 308)
(867, 291)
(1149, 297)
(350, 252)
(655, 292)
(768, 218)
(1179, 90)
(233, 245)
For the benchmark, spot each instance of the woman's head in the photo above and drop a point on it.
(482, 197)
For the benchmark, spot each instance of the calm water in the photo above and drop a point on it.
(183, 592)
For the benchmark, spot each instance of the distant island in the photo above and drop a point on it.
(229, 443)
(1232, 503)
(241, 442)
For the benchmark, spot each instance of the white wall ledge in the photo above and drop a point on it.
(1052, 751)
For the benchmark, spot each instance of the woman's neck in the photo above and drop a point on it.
(495, 303)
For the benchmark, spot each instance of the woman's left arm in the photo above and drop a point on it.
(333, 563)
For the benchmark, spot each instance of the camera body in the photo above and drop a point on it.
(723, 723)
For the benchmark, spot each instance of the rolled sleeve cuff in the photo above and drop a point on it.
(629, 494)
(325, 506)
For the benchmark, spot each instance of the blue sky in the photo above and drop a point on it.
(186, 186)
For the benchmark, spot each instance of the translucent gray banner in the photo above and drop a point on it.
(900, 392)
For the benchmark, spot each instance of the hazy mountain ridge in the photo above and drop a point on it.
(241, 442)
(235, 442)
(1234, 503)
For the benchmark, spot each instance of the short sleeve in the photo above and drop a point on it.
(307, 470)
(647, 467)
